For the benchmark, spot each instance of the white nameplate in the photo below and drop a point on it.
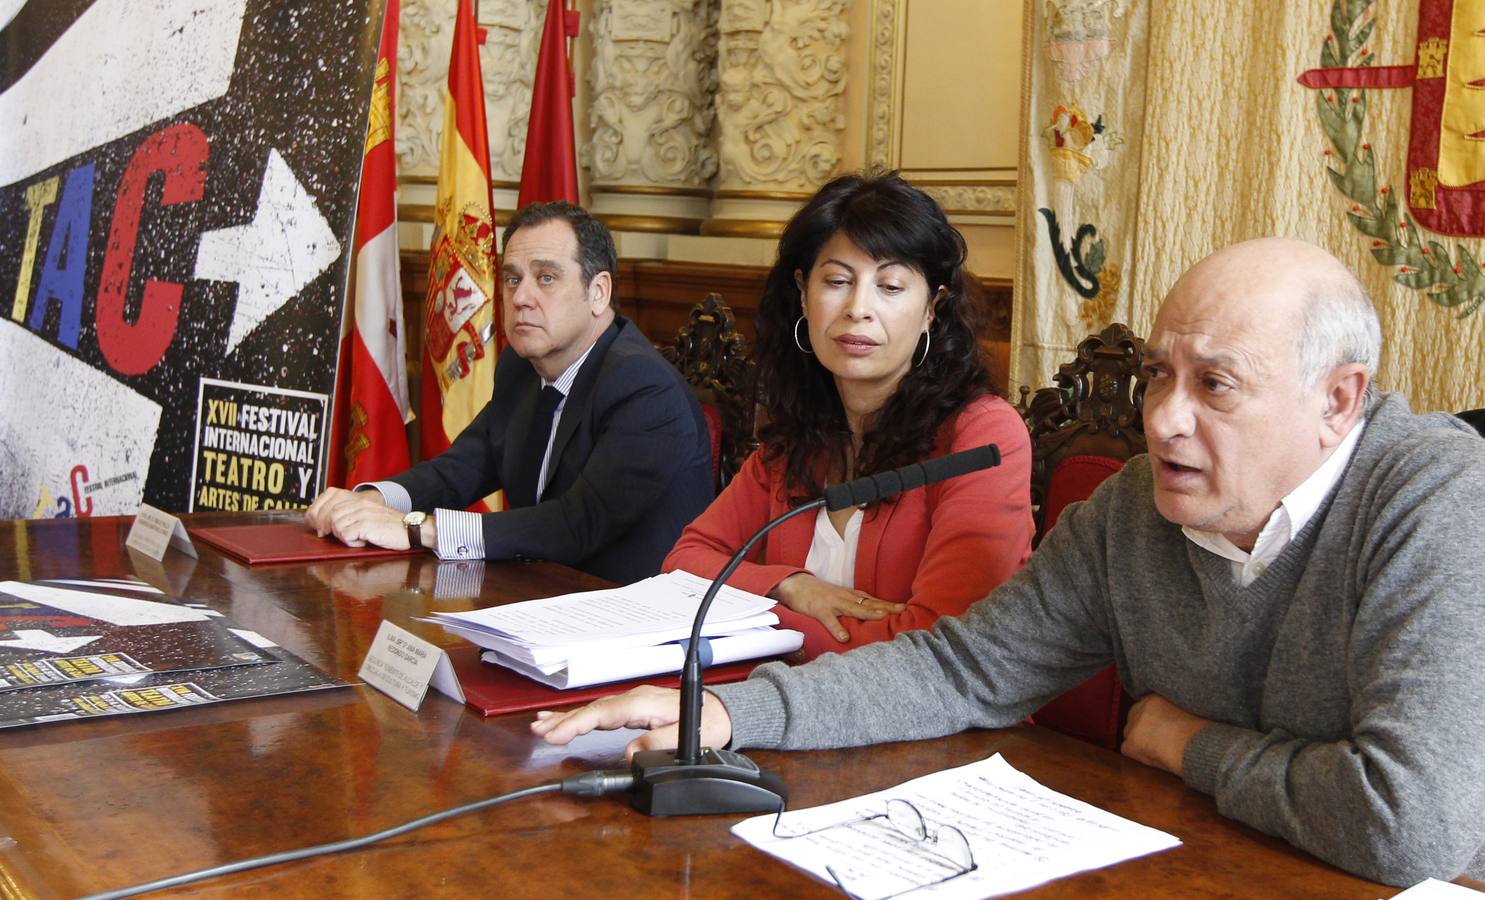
(153, 531)
(402, 665)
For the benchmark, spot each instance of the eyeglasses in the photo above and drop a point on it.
(944, 847)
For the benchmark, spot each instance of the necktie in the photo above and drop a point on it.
(535, 450)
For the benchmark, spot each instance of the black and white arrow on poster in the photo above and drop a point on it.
(287, 245)
(45, 641)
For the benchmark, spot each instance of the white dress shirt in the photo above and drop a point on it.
(1294, 512)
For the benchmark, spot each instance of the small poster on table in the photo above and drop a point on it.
(74, 649)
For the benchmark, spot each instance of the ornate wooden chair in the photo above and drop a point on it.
(1088, 424)
(1082, 431)
(715, 360)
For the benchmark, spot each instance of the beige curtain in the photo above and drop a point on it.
(1233, 147)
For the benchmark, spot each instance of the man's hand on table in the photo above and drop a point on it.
(357, 518)
(1158, 732)
(644, 707)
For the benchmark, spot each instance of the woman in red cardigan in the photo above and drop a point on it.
(869, 357)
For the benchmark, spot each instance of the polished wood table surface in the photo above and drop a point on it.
(94, 805)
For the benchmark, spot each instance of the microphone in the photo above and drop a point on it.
(691, 780)
(930, 471)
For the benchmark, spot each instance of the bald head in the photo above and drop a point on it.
(1256, 371)
(1299, 289)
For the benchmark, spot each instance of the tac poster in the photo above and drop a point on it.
(177, 196)
(79, 649)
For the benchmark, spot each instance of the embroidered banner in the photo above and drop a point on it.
(1350, 123)
(1085, 85)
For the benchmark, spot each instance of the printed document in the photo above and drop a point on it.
(1021, 834)
(635, 631)
(654, 605)
(602, 666)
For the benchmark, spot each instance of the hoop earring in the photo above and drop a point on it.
(927, 341)
(797, 342)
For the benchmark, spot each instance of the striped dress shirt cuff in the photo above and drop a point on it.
(460, 534)
(393, 494)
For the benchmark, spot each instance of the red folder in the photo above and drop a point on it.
(282, 542)
(495, 690)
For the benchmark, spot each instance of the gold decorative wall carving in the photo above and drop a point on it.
(782, 71)
(507, 63)
(653, 77)
(886, 47)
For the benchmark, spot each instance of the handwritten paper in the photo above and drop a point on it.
(1021, 834)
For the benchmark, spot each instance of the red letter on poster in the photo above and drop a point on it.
(178, 151)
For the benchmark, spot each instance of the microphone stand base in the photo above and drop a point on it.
(722, 782)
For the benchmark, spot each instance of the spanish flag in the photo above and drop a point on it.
(461, 317)
(369, 440)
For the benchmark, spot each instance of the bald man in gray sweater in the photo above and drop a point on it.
(1289, 583)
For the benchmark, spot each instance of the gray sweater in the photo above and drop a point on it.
(1348, 679)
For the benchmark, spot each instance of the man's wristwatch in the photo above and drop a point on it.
(414, 524)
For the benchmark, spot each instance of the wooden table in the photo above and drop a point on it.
(94, 805)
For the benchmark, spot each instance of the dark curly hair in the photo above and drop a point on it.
(888, 219)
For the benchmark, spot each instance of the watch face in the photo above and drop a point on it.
(414, 518)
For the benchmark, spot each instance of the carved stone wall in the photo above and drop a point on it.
(717, 116)
(782, 71)
(507, 61)
(652, 78)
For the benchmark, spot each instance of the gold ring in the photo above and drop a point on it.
(860, 601)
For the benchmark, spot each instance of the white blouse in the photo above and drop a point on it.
(832, 556)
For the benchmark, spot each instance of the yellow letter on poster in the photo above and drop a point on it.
(38, 197)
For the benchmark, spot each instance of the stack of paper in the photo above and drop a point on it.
(595, 637)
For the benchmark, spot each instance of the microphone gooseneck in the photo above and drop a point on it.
(691, 780)
(688, 751)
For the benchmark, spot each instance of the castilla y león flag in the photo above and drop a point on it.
(369, 441)
(461, 316)
(1446, 166)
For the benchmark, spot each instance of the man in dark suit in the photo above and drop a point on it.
(599, 444)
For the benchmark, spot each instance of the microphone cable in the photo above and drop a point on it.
(588, 784)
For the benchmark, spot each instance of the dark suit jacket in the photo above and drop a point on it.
(630, 464)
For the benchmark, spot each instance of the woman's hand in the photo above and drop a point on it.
(809, 596)
(644, 707)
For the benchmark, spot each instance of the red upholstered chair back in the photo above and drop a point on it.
(714, 431)
(716, 361)
(1082, 431)
(1073, 479)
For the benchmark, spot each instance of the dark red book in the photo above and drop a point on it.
(495, 690)
(282, 542)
